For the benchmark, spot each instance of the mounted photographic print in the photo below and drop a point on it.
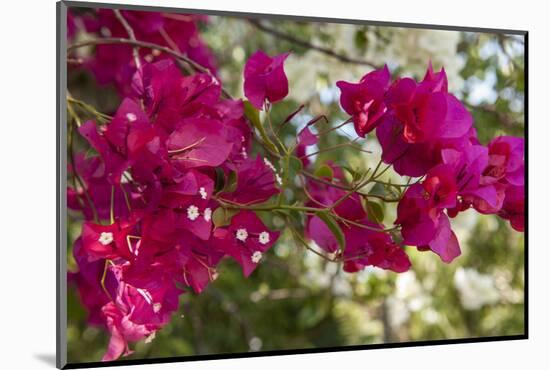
(234, 184)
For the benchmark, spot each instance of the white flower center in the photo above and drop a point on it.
(207, 214)
(203, 193)
(106, 238)
(256, 256)
(242, 234)
(131, 117)
(192, 212)
(264, 237)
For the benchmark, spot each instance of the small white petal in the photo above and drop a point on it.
(269, 164)
(207, 214)
(131, 117)
(106, 238)
(264, 237)
(242, 235)
(192, 212)
(256, 257)
(203, 193)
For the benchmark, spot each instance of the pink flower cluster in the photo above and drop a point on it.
(114, 63)
(149, 201)
(171, 188)
(427, 132)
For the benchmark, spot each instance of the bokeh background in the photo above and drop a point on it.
(298, 300)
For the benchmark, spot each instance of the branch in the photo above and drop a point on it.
(131, 35)
(149, 45)
(308, 45)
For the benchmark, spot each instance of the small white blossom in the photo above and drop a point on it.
(192, 212)
(207, 214)
(279, 179)
(264, 237)
(256, 257)
(269, 164)
(242, 234)
(131, 117)
(243, 152)
(106, 238)
(203, 192)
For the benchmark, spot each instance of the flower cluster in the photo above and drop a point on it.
(114, 63)
(172, 187)
(149, 198)
(427, 132)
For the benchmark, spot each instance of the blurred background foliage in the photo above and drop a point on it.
(298, 300)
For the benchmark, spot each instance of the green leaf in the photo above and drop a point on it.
(324, 171)
(222, 216)
(295, 166)
(220, 180)
(231, 183)
(253, 116)
(375, 211)
(334, 228)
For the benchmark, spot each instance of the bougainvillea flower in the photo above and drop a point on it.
(246, 239)
(114, 63)
(200, 269)
(97, 188)
(427, 115)
(169, 96)
(364, 101)
(88, 282)
(513, 208)
(364, 246)
(107, 241)
(444, 244)
(367, 247)
(255, 182)
(467, 164)
(265, 79)
(136, 313)
(407, 159)
(424, 226)
(191, 197)
(114, 163)
(306, 138)
(440, 189)
(418, 224)
(506, 163)
(198, 143)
